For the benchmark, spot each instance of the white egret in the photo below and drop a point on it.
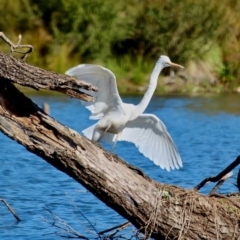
(118, 121)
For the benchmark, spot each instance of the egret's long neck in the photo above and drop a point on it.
(140, 108)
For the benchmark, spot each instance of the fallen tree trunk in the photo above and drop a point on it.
(158, 210)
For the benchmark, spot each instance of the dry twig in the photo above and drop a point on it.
(11, 209)
(101, 235)
(220, 175)
(219, 183)
(59, 223)
(17, 46)
(118, 227)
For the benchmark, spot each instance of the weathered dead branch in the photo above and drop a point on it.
(18, 71)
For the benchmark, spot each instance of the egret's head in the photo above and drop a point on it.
(167, 62)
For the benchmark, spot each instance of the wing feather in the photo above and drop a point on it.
(150, 135)
(107, 97)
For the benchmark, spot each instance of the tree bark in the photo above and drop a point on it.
(158, 210)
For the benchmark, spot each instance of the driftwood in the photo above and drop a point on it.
(158, 210)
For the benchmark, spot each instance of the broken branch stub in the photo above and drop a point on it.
(18, 71)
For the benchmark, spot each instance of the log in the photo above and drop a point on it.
(158, 210)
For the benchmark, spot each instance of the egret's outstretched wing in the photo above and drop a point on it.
(107, 98)
(150, 135)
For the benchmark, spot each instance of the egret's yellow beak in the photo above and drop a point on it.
(175, 65)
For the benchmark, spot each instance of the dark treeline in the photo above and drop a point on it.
(123, 34)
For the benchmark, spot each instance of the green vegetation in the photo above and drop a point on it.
(128, 37)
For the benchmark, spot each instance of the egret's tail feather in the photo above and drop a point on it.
(88, 132)
(108, 138)
(105, 138)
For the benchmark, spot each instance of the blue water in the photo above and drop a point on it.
(205, 129)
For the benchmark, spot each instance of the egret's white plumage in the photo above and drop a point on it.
(118, 121)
